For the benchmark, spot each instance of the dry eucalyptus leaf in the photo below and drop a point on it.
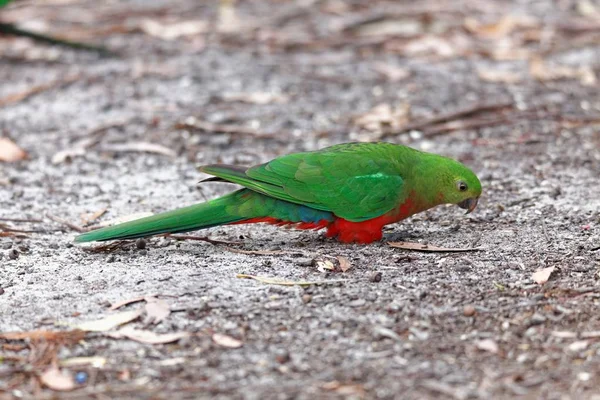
(384, 116)
(430, 248)
(143, 147)
(344, 263)
(501, 28)
(10, 152)
(156, 310)
(391, 72)
(110, 322)
(540, 277)
(226, 341)
(56, 379)
(500, 76)
(487, 345)
(148, 337)
(260, 98)
(174, 30)
(546, 72)
(96, 362)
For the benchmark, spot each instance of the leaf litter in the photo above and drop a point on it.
(10, 151)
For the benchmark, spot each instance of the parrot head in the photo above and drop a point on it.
(462, 187)
(450, 182)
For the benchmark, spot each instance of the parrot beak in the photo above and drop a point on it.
(469, 204)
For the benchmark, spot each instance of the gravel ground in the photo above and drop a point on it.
(515, 100)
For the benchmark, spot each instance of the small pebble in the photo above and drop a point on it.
(110, 258)
(13, 254)
(376, 277)
(1, 291)
(469, 311)
(143, 252)
(306, 298)
(141, 243)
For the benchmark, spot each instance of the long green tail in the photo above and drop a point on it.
(238, 206)
(198, 216)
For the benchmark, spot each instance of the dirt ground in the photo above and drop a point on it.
(509, 88)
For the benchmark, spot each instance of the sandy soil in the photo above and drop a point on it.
(402, 324)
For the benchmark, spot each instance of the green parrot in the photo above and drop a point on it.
(352, 189)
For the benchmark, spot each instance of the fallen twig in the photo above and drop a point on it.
(429, 248)
(200, 125)
(451, 116)
(200, 238)
(283, 282)
(67, 223)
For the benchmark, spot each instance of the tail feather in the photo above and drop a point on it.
(198, 216)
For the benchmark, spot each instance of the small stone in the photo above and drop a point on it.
(7, 245)
(469, 311)
(375, 277)
(141, 243)
(1, 291)
(282, 357)
(53, 246)
(13, 254)
(307, 298)
(110, 258)
(357, 303)
(143, 252)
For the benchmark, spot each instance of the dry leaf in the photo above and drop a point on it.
(495, 76)
(544, 72)
(391, 72)
(256, 98)
(173, 31)
(122, 303)
(501, 28)
(344, 263)
(487, 345)
(590, 335)
(96, 362)
(428, 46)
(10, 152)
(143, 147)
(87, 219)
(55, 379)
(156, 310)
(564, 334)
(226, 341)
(578, 346)
(110, 322)
(541, 276)
(228, 21)
(430, 248)
(48, 336)
(383, 117)
(587, 8)
(324, 265)
(148, 337)
(283, 282)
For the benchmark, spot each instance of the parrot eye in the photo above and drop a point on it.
(462, 186)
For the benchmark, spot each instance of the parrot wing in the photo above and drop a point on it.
(354, 182)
